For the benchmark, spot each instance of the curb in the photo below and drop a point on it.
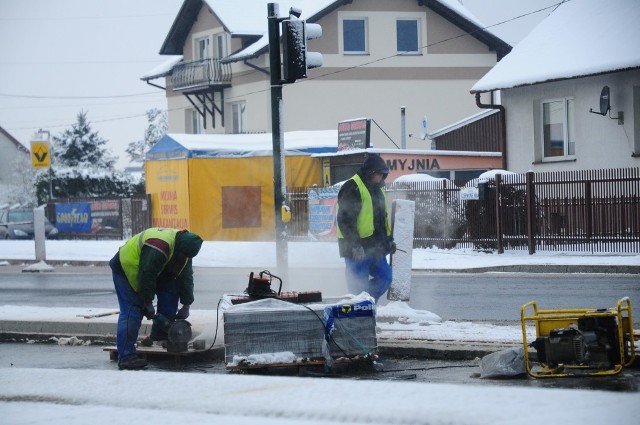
(104, 334)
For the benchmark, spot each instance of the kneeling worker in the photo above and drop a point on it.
(155, 262)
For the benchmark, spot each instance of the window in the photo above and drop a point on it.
(201, 48)
(239, 118)
(558, 128)
(194, 122)
(354, 33)
(408, 36)
(221, 46)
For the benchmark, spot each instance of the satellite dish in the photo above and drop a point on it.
(423, 128)
(605, 105)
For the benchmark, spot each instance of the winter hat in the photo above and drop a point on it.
(374, 164)
(188, 243)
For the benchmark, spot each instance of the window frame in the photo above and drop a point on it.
(239, 117)
(365, 36)
(568, 130)
(418, 34)
(197, 49)
(221, 45)
(196, 124)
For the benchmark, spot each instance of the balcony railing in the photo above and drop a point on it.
(200, 73)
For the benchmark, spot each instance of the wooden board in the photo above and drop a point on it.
(342, 361)
(155, 352)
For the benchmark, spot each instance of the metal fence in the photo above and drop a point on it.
(587, 210)
(111, 218)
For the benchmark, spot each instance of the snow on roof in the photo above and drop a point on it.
(163, 69)
(488, 176)
(580, 38)
(412, 178)
(252, 19)
(407, 152)
(457, 7)
(174, 146)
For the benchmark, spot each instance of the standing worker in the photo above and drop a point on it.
(155, 262)
(364, 232)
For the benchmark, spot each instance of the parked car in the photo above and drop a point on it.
(18, 224)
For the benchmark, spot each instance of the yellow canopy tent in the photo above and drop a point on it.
(220, 186)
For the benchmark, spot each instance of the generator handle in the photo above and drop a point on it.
(268, 273)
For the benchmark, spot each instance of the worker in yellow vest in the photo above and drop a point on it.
(364, 232)
(155, 262)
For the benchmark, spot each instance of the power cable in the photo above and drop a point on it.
(385, 133)
(117, 96)
(242, 96)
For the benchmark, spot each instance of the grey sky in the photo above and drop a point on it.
(63, 56)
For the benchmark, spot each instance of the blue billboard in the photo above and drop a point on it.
(73, 218)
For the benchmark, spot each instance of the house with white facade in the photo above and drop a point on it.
(378, 56)
(14, 156)
(570, 90)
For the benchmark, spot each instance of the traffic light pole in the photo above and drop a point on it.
(279, 181)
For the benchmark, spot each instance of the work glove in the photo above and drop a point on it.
(183, 313)
(357, 253)
(148, 311)
(393, 248)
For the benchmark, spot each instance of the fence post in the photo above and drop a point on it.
(531, 212)
(445, 221)
(499, 241)
(589, 207)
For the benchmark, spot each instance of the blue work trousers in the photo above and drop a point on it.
(372, 275)
(130, 317)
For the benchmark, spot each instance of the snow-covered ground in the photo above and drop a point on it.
(315, 254)
(53, 396)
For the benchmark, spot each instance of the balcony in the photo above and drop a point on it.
(201, 74)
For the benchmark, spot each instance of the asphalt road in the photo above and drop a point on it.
(482, 297)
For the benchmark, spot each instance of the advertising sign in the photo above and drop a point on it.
(73, 218)
(322, 212)
(168, 183)
(40, 154)
(354, 134)
(469, 194)
(105, 216)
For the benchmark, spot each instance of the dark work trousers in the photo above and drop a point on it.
(168, 297)
(372, 275)
(130, 317)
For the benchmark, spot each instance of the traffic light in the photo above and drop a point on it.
(295, 58)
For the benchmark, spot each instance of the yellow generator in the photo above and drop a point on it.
(579, 342)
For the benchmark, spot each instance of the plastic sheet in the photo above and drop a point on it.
(505, 363)
(272, 326)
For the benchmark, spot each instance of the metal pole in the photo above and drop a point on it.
(403, 128)
(50, 163)
(279, 181)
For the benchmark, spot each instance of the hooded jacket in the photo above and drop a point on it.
(159, 254)
(350, 204)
